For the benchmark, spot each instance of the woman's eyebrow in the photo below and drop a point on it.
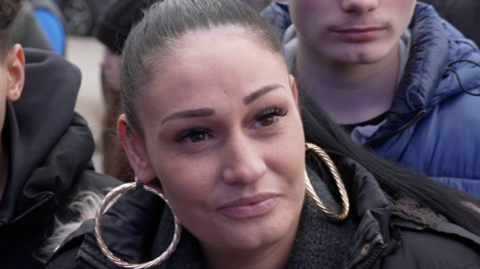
(203, 112)
(257, 94)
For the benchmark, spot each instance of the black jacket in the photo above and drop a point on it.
(463, 14)
(49, 148)
(387, 233)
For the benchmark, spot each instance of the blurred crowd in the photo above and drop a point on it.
(416, 106)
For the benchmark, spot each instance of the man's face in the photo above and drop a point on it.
(12, 78)
(351, 31)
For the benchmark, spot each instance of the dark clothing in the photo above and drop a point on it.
(463, 14)
(49, 148)
(381, 232)
(117, 20)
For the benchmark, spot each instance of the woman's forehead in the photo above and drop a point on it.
(215, 69)
(230, 35)
(218, 56)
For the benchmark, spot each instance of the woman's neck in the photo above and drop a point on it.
(273, 256)
(349, 93)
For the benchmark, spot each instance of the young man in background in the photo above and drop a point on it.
(398, 77)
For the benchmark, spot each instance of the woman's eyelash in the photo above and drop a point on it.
(269, 112)
(200, 132)
(191, 132)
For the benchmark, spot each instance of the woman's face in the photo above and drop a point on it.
(351, 31)
(222, 132)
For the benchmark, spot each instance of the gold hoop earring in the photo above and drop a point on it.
(338, 181)
(98, 225)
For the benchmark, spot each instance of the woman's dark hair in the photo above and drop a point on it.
(8, 12)
(164, 24)
(454, 204)
(168, 21)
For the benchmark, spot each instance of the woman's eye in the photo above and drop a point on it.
(269, 120)
(269, 116)
(193, 135)
(197, 137)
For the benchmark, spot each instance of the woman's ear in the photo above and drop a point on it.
(293, 86)
(15, 64)
(136, 154)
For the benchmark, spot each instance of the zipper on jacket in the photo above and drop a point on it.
(407, 125)
(372, 260)
(33, 208)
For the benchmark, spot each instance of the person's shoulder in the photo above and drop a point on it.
(52, 74)
(99, 181)
(47, 59)
(88, 189)
(425, 248)
(91, 180)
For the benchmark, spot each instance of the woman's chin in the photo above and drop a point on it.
(254, 233)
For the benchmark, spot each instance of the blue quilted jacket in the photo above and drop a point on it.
(434, 125)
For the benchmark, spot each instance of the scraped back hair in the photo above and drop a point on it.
(164, 24)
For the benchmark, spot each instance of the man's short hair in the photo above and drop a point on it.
(8, 12)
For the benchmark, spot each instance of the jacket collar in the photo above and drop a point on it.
(32, 197)
(372, 210)
(418, 89)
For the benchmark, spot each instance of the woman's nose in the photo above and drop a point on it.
(360, 6)
(243, 162)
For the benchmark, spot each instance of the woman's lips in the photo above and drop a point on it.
(359, 34)
(248, 207)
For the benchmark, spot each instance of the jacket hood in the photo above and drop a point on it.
(427, 81)
(34, 126)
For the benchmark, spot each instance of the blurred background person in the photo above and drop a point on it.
(114, 26)
(40, 25)
(27, 32)
(50, 19)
